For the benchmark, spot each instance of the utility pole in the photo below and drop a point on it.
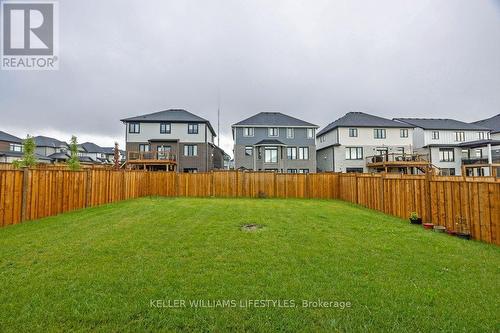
(218, 120)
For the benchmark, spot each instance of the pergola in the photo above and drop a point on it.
(478, 165)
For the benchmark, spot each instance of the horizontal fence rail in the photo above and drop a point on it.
(453, 202)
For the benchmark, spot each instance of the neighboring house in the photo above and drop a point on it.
(47, 146)
(173, 139)
(94, 152)
(110, 154)
(449, 143)
(11, 149)
(493, 123)
(273, 141)
(361, 142)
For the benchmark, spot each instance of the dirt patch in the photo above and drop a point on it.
(251, 227)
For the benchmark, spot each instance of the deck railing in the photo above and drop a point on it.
(150, 156)
(397, 157)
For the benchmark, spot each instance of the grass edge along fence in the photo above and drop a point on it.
(453, 202)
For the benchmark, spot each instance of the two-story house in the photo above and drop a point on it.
(94, 152)
(273, 141)
(449, 142)
(11, 149)
(171, 140)
(47, 146)
(361, 142)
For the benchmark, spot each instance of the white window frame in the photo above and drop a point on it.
(435, 135)
(480, 135)
(192, 127)
(17, 147)
(165, 128)
(353, 132)
(290, 133)
(273, 132)
(310, 133)
(403, 133)
(303, 153)
(445, 153)
(272, 159)
(377, 131)
(293, 155)
(248, 131)
(460, 136)
(248, 148)
(134, 128)
(190, 150)
(353, 153)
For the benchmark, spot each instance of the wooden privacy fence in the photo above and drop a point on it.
(32, 194)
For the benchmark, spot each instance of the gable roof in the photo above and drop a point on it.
(9, 138)
(45, 141)
(91, 147)
(361, 119)
(492, 123)
(273, 119)
(171, 115)
(441, 124)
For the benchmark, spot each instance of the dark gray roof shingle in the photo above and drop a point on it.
(441, 124)
(171, 115)
(273, 119)
(492, 123)
(91, 147)
(9, 138)
(270, 142)
(361, 119)
(45, 141)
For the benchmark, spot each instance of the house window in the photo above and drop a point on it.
(190, 170)
(446, 154)
(134, 127)
(16, 147)
(303, 153)
(322, 138)
(165, 128)
(164, 152)
(248, 151)
(303, 170)
(271, 155)
(479, 153)
(291, 153)
(403, 132)
(480, 135)
(291, 170)
(192, 128)
(310, 133)
(354, 153)
(190, 150)
(447, 171)
(248, 131)
(379, 133)
(289, 133)
(273, 131)
(460, 136)
(144, 148)
(354, 170)
(435, 135)
(353, 132)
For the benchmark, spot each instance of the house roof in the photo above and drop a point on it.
(45, 141)
(91, 147)
(273, 119)
(9, 138)
(492, 123)
(480, 143)
(59, 156)
(441, 124)
(20, 154)
(270, 142)
(171, 115)
(111, 150)
(361, 119)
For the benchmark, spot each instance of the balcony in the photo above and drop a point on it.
(397, 159)
(151, 158)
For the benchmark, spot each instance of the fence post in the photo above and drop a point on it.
(88, 194)
(24, 202)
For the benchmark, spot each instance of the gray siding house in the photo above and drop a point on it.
(273, 141)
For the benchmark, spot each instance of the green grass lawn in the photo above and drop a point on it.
(100, 268)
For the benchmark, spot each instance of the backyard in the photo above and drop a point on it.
(145, 264)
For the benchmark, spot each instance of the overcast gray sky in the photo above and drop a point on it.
(315, 60)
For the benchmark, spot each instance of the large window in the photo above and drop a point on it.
(248, 151)
(16, 147)
(460, 136)
(192, 128)
(435, 135)
(446, 154)
(379, 133)
(480, 135)
(144, 148)
(353, 132)
(271, 155)
(190, 150)
(248, 131)
(303, 153)
(273, 131)
(310, 133)
(354, 153)
(165, 128)
(290, 133)
(291, 153)
(134, 128)
(403, 132)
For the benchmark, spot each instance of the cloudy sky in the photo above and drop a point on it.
(315, 60)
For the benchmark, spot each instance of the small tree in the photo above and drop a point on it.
(73, 162)
(29, 158)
